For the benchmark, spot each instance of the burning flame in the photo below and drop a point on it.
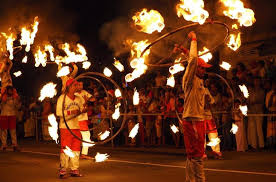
(104, 135)
(174, 128)
(27, 37)
(86, 64)
(107, 72)
(244, 90)
(118, 93)
(234, 128)
(72, 56)
(101, 157)
(192, 10)
(9, 44)
(129, 77)
(235, 26)
(243, 109)
(176, 67)
(225, 65)
(149, 22)
(48, 90)
(17, 74)
(135, 97)
(64, 71)
(68, 152)
(50, 49)
(25, 59)
(40, 58)
(213, 142)
(53, 129)
(134, 131)
(118, 65)
(236, 10)
(234, 41)
(171, 81)
(116, 114)
(205, 57)
(88, 144)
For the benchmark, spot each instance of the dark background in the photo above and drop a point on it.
(84, 21)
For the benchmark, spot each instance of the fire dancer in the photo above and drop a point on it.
(83, 122)
(72, 74)
(193, 113)
(9, 108)
(72, 107)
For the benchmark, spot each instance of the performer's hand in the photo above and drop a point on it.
(192, 35)
(179, 48)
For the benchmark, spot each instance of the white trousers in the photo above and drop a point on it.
(194, 170)
(4, 134)
(241, 137)
(86, 137)
(255, 132)
(69, 162)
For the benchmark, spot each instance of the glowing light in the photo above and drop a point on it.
(17, 74)
(68, 152)
(213, 142)
(104, 135)
(48, 90)
(116, 113)
(148, 21)
(135, 97)
(107, 72)
(25, 59)
(40, 58)
(174, 128)
(244, 90)
(234, 41)
(53, 129)
(118, 65)
(225, 65)
(205, 57)
(86, 64)
(171, 81)
(101, 157)
(50, 49)
(234, 128)
(64, 71)
(118, 93)
(244, 109)
(192, 10)
(9, 43)
(134, 131)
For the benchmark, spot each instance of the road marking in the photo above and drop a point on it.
(167, 165)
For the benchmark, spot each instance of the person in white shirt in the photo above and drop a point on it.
(83, 122)
(73, 106)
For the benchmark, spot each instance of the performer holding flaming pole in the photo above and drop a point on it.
(193, 113)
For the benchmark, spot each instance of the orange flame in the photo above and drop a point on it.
(50, 49)
(25, 59)
(27, 37)
(192, 10)
(234, 41)
(205, 57)
(40, 58)
(149, 22)
(236, 10)
(225, 65)
(118, 65)
(9, 43)
(72, 56)
(171, 81)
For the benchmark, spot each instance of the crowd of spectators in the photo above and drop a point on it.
(159, 104)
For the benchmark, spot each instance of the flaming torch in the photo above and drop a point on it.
(116, 114)
(65, 70)
(9, 44)
(118, 93)
(234, 41)
(53, 129)
(174, 128)
(101, 157)
(27, 37)
(149, 22)
(25, 59)
(236, 10)
(86, 64)
(171, 81)
(234, 128)
(17, 74)
(50, 49)
(118, 65)
(192, 10)
(48, 90)
(107, 72)
(205, 57)
(40, 58)
(134, 131)
(135, 97)
(104, 135)
(244, 90)
(225, 65)
(243, 109)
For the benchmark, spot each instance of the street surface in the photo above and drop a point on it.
(40, 162)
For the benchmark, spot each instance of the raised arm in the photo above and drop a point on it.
(192, 64)
(75, 71)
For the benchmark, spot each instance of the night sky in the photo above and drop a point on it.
(83, 21)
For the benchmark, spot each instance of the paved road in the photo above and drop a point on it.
(39, 163)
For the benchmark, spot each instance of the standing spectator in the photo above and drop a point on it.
(255, 106)
(271, 123)
(73, 105)
(9, 107)
(193, 112)
(237, 116)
